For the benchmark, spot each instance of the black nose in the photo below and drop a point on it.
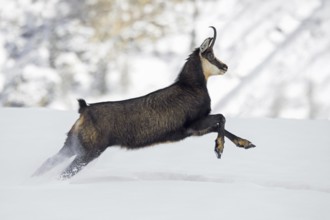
(225, 67)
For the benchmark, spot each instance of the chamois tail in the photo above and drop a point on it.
(82, 105)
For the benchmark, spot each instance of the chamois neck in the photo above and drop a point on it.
(192, 72)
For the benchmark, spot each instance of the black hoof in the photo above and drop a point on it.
(218, 148)
(250, 146)
(218, 154)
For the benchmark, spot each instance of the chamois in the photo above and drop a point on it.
(169, 114)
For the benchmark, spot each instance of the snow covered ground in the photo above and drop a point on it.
(287, 176)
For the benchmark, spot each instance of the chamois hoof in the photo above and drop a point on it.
(250, 146)
(219, 144)
(242, 143)
(218, 155)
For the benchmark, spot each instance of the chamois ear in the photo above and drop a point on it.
(208, 42)
(205, 45)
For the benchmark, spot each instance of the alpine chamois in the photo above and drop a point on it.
(169, 114)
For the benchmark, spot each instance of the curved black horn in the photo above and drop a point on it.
(214, 36)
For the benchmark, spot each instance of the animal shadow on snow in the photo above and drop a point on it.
(151, 176)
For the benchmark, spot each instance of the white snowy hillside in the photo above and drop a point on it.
(287, 176)
(53, 52)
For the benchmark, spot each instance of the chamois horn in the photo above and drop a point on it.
(214, 36)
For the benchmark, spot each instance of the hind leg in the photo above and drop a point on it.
(64, 154)
(79, 163)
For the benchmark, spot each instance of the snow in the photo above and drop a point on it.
(285, 177)
(100, 50)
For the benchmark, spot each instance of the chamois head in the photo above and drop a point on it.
(210, 64)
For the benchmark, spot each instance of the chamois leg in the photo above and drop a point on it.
(204, 126)
(239, 142)
(211, 123)
(220, 141)
(216, 123)
(79, 163)
(65, 153)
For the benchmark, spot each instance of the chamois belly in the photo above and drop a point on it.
(145, 131)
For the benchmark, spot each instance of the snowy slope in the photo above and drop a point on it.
(278, 53)
(286, 177)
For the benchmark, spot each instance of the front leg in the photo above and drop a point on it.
(211, 123)
(216, 123)
(220, 141)
(239, 142)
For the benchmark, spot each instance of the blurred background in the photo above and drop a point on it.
(278, 52)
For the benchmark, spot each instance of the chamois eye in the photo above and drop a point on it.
(210, 56)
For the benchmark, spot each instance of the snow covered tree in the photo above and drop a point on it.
(89, 48)
(82, 41)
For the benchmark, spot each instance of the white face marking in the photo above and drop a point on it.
(209, 69)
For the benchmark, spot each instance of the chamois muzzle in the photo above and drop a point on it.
(224, 67)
